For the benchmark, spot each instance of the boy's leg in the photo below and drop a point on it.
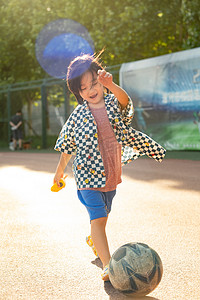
(20, 143)
(15, 144)
(99, 239)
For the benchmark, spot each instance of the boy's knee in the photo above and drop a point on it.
(100, 221)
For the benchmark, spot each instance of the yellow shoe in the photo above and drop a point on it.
(104, 274)
(90, 243)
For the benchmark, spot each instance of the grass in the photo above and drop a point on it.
(186, 155)
(36, 147)
(177, 135)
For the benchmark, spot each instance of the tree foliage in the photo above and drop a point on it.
(128, 29)
(191, 20)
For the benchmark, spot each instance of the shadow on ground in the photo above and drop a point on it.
(183, 173)
(112, 292)
(115, 295)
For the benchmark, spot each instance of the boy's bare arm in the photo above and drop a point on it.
(120, 94)
(18, 124)
(106, 79)
(64, 159)
(12, 124)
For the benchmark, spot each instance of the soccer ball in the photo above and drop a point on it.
(135, 268)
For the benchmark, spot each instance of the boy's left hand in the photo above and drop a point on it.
(105, 78)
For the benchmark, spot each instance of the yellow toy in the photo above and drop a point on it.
(56, 188)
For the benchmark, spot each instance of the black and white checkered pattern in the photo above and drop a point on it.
(79, 137)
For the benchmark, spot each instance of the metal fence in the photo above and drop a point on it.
(45, 105)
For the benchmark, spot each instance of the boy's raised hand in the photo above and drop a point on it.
(105, 78)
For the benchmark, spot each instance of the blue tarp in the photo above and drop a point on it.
(168, 81)
(166, 93)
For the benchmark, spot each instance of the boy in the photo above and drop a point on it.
(98, 133)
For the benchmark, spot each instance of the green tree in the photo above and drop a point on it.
(128, 29)
(191, 19)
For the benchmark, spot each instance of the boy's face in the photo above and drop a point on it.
(92, 90)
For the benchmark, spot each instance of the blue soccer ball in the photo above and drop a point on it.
(135, 268)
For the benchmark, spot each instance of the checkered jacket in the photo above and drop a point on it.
(79, 137)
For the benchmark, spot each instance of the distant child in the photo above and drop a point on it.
(98, 133)
(16, 127)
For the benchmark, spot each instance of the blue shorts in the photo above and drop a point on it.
(98, 204)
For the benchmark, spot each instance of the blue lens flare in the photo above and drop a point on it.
(59, 42)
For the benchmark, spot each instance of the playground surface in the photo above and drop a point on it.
(43, 254)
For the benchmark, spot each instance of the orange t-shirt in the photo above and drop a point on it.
(109, 148)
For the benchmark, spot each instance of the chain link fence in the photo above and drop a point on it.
(45, 106)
